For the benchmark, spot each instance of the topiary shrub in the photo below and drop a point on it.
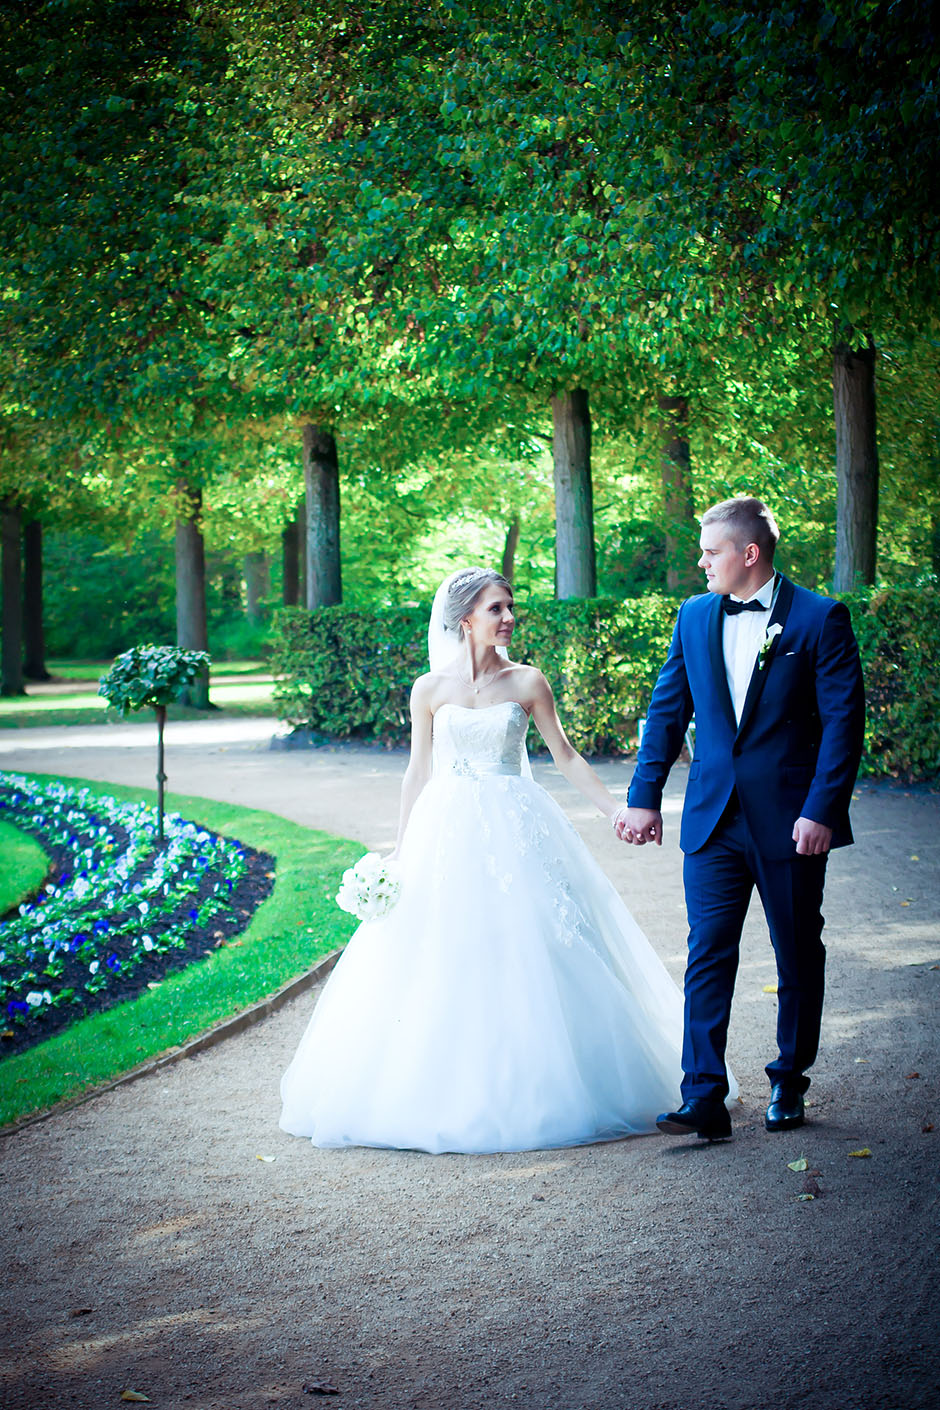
(152, 676)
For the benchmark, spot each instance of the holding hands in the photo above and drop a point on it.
(638, 825)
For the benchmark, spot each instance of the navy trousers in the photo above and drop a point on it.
(719, 880)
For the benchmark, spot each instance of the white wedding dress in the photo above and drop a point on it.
(509, 1001)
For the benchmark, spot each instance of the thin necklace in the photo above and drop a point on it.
(477, 688)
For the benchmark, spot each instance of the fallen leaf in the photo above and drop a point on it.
(861, 1059)
(935, 966)
(134, 1395)
(9, 1033)
(927, 1126)
(911, 1075)
(153, 984)
(915, 859)
(861, 1154)
(319, 1388)
(905, 903)
(769, 989)
(266, 1158)
(805, 1196)
(798, 1166)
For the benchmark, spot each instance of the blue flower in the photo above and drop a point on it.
(114, 963)
(15, 1006)
(194, 914)
(100, 926)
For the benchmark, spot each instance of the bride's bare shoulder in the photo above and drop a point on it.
(528, 681)
(427, 687)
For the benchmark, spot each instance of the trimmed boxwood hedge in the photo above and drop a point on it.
(346, 673)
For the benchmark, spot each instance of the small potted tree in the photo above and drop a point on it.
(152, 676)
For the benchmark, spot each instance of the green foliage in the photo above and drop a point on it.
(899, 639)
(99, 596)
(151, 675)
(348, 673)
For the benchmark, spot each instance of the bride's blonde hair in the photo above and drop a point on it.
(463, 593)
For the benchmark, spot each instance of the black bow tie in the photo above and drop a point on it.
(733, 608)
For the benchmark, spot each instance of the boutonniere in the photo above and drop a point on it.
(770, 636)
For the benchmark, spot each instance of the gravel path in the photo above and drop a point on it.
(147, 1246)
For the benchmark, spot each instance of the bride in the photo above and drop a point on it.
(509, 1001)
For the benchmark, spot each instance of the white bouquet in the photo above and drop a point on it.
(370, 889)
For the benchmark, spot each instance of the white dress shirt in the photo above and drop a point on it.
(743, 635)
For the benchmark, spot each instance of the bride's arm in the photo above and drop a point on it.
(419, 765)
(567, 759)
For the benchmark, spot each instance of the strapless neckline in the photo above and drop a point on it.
(478, 709)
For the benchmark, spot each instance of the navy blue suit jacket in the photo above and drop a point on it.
(796, 751)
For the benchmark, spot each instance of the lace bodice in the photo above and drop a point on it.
(478, 742)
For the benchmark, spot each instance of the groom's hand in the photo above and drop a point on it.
(639, 825)
(812, 838)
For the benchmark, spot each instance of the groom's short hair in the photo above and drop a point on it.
(747, 521)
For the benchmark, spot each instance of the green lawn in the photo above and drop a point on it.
(23, 864)
(71, 698)
(295, 927)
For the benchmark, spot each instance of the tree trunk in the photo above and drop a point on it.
(290, 563)
(301, 517)
(678, 502)
(257, 569)
(191, 630)
(509, 548)
(575, 569)
(853, 395)
(321, 482)
(11, 575)
(34, 646)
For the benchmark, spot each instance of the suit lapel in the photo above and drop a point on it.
(758, 676)
(717, 654)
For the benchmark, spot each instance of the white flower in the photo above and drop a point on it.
(94, 967)
(35, 999)
(770, 636)
(370, 889)
(147, 942)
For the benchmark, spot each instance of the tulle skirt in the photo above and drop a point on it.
(508, 1002)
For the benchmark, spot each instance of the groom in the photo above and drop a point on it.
(771, 673)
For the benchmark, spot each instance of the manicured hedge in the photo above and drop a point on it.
(345, 673)
(898, 632)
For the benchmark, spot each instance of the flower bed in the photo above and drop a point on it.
(118, 910)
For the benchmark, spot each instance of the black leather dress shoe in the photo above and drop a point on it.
(785, 1110)
(699, 1116)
